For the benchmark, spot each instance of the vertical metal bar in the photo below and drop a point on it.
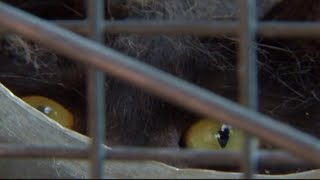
(247, 74)
(95, 90)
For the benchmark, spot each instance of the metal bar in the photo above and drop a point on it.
(209, 28)
(267, 29)
(267, 159)
(289, 29)
(151, 27)
(79, 26)
(160, 83)
(274, 159)
(247, 77)
(222, 158)
(95, 90)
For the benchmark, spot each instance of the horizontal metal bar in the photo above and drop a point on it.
(209, 28)
(279, 159)
(151, 27)
(188, 156)
(205, 157)
(267, 29)
(163, 27)
(289, 29)
(160, 83)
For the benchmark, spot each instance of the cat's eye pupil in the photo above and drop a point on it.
(223, 136)
(44, 109)
(210, 134)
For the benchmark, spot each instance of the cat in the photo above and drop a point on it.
(136, 118)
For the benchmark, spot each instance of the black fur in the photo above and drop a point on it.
(137, 118)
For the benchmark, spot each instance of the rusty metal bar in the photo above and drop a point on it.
(95, 91)
(247, 78)
(160, 83)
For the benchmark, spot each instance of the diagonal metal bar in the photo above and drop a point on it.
(159, 83)
(79, 26)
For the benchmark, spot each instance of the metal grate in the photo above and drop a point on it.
(166, 86)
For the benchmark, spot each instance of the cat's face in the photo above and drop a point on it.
(136, 118)
(133, 116)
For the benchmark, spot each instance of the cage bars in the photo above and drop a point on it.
(152, 79)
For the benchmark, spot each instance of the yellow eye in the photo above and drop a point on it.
(208, 134)
(52, 109)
